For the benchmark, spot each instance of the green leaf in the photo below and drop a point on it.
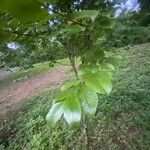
(62, 95)
(4, 35)
(87, 68)
(3, 24)
(99, 81)
(72, 29)
(26, 10)
(68, 30)
(72, 109)
(70, 84)
(45, 20)
(92, 81)
(55, 113)
(89, 100)
(13, 22)
(89, 76)
(28, 30)
(104, 78)
(83, 14)
(108, 66)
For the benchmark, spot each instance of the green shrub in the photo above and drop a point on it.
(129, 36)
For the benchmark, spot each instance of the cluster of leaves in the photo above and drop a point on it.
(81, 94)
(93, 76)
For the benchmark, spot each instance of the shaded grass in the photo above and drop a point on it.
(122, 119)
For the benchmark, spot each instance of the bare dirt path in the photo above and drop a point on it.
(29, 87)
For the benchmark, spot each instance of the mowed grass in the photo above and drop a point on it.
(122, 120)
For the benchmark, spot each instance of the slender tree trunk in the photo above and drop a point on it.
(71, 55)
(72, 62)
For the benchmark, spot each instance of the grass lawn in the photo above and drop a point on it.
(122, 120)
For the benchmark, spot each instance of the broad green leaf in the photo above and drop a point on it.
(13, 22)
(104, 78)
(68, 89)
(55, 113)
(72, 29)
(92, 81)
(4, 35)
(62, 95)
(88, 68)
(88, 75)
(45, 20)
(99, 81)
(68, 30)
(83, 14)
(26, 10)
(88, 99)
(28, 30)
(70, 84)
(72, 109)
(108, 66)
(3, 24)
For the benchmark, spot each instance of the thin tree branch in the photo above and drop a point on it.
(71, 58)
(72, 62)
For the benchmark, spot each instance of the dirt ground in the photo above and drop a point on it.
(29, 87)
